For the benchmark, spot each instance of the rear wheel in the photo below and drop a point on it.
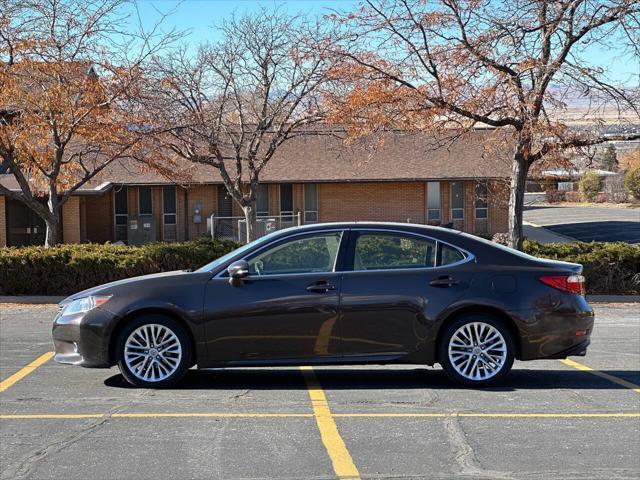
(153, 351)
(476, 350)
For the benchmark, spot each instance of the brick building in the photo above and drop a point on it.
(405, 178)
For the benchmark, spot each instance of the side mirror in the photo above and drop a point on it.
(238, 270)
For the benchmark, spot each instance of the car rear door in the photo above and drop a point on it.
(286, 309)
(395, 285)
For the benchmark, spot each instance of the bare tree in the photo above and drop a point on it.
(69, 75)
(233, 103)
(511, 65)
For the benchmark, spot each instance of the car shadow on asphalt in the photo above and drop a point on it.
(380, 379)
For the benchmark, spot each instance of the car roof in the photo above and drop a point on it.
(484, 251)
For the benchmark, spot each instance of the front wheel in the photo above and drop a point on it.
(476, 350)
(153, 351)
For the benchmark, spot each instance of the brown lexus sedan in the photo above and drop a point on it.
(335, 294)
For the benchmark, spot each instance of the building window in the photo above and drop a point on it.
(286, 203)
(310, 203)
(433, 203)
(121, 212)
(145, 203)
(262, 200)
(457, 201)
(482, 206)
(169, 213)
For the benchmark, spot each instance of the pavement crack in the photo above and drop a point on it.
(240, 395)
(464, 454)
(27, 465)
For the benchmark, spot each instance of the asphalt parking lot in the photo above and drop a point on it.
(549, 420)
(599, 224)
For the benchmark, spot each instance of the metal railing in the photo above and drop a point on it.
(235, 228)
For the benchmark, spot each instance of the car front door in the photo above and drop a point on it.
(398, 284)
(286, 308)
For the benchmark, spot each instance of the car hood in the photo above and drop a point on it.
(108, 288)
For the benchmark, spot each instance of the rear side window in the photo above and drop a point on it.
(382, 251)
(450, 255)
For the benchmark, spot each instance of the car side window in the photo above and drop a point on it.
(380, 251)
(310, 254)
(450, 255)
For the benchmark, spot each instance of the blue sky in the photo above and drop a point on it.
(199, 16)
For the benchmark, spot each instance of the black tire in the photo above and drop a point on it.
(448, 367)
(185, 346)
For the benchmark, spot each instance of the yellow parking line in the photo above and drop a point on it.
(211, 415)
(23, 372)
(51, 416)
(340, 458)
(611, 378)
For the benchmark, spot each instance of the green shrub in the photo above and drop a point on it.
(610, 268)
(632, 182)
(68, 269)
(589, 186)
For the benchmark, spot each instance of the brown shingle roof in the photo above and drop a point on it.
(324, 158)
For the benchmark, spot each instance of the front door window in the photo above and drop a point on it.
(303, 255)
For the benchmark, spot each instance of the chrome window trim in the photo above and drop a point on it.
(223, 272)
(469, 256)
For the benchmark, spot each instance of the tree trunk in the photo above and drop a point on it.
(51, 237)
(52, 219)
(251, 219)
(519, 172)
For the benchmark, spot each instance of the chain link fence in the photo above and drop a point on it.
(235, 228)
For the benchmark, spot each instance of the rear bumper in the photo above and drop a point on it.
(557, 332)
(579, 350)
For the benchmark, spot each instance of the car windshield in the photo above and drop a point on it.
(225, 258)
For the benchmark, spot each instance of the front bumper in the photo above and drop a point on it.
(83, 339)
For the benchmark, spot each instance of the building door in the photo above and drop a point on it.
(24, 227)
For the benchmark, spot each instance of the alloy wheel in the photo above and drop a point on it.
(477, 351)
(152, 352)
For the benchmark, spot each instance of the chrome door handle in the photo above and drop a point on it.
(320, 287)
(444, 282)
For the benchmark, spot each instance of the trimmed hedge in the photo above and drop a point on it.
(610, 268)
(67, 269)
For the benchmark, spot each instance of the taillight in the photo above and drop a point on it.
(566, 283)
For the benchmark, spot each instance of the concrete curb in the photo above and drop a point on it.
(52, 299)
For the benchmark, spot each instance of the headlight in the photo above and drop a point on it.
(81, 305)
